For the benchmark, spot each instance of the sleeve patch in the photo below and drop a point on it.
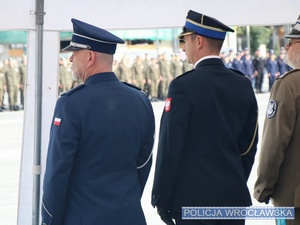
(168, 104)
(272, 108)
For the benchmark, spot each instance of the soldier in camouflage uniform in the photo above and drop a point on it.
(12, 76)
(123, 70)
(186, 66)
(164, 72)
(138, 78)
(153, 79)
(2, 86)
(147, 85)
(23, 75)
(176, 66)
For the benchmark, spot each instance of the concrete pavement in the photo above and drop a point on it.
(11, 126)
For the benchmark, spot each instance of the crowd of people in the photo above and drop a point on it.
(12, 81)
(154, 74)
(257, 66)
(151, 74)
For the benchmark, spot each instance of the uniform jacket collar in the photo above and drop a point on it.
(210, 61)
(102, 77)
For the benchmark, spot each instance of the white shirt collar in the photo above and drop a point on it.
(207, 57)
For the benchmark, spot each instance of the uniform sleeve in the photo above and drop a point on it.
(64, 135)
(145, 155)
(248, 140)
(278, 128)
(173, 130)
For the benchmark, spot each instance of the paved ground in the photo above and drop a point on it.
(11, 126)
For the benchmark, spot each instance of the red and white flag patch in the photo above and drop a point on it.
(57, 121)
(168, 104)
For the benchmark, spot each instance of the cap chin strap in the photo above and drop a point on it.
(93, 39)
(77, 45)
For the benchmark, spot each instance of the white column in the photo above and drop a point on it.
(49, 96)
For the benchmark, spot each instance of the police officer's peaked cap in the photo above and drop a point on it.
(197, 23)
(87, 36)
(295, 32)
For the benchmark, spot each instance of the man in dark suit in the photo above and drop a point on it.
(208, 131)
(101, 139)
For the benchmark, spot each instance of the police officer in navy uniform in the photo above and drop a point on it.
(208, 132)
(238, 63)
(101, 139)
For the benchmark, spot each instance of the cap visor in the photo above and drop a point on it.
(71, 48)
(184, 34)
(296, 36)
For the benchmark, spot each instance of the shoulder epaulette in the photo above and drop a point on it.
(132, 86)
(287, 73)
(185, 73)
(238, 72)
(67, 93)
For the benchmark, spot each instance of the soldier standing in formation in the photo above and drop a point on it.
(23, 76)
(176, 66)
(154, 79)
(123, 70)
(249, 70)
(186, 66)
(138, 78)
(2, 86)
(147, 82)
(12, 76)
(238, 63)
(272, 69)
(259, 70)
(164, 76)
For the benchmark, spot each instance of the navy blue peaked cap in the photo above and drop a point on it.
(197, 23)
(87, 36)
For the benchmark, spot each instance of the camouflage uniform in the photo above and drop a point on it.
(2, 85)
(176, 66)
(12, 76)
(164, 72)
(23, 75)
(123, 71)
(153, 79)
(138, 78)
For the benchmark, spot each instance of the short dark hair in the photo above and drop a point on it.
(215, 43)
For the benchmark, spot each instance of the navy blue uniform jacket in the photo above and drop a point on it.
(99, 155)
(207, 140)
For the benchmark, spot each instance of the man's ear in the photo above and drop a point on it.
(91, 57)
(199, 41)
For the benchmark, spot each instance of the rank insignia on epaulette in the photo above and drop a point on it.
(272, 108)
(168, 104)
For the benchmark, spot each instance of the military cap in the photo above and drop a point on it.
(87, 36)
(295, 32)
(197, 23)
